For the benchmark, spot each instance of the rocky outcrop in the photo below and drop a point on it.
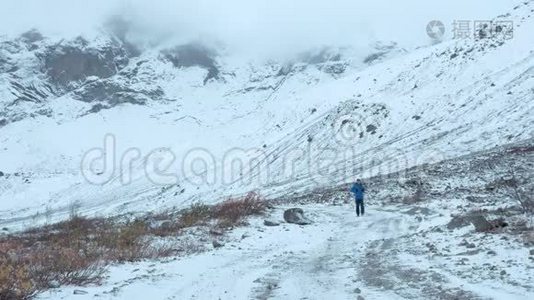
(191, 55)
(114, 93)
(68, 63)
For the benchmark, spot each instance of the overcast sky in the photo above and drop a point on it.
(249, 24)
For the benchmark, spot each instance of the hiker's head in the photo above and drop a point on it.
(358, 180)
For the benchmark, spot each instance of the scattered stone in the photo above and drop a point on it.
(217, 244)
(528, 238)
(499, 223)
(503, 272)
(475, 199)
(296, 216)
(54, 284)
(1, 173)
(270, 223)
(470, 252)
(470, 246)
(531, 252)
(166, 224)
(371, 128)
(360, 297)
(159, 224)
(491, 252)
(216, 231)
(357, 290)
(79, 292)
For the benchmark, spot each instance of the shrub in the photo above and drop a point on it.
(64, 266)
(233, 210)
(35, 269)
(15, 280)
(77, 251)
(197, 214)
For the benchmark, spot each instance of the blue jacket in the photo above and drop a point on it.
(358, 190)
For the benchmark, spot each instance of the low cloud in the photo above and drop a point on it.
(247, 26)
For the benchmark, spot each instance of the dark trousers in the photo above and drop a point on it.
(359, 207)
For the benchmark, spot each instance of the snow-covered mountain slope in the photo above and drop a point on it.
(148, 104)
(325, 117)
(415, 241)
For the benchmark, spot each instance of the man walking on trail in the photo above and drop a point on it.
(358, 190)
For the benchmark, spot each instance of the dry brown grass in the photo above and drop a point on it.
(232, 211)
(26, 269)
(77, 251)
(196, 214)
(15, 280)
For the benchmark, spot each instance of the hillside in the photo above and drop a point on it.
(187, 170)
(323, 118)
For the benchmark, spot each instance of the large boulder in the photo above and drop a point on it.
(478, 220)
(480, 223)
(296, 216)
(217, 244)
(458, 222)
